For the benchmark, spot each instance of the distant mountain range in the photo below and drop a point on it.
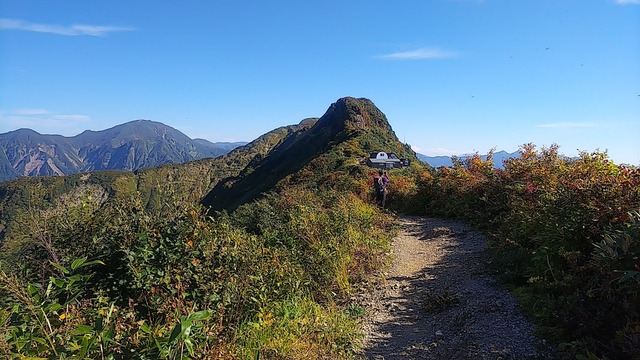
(438, 161)
(130, 146)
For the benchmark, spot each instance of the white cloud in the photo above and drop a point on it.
(628, 2)
(565, 125)
(71, 30)
(420, 54)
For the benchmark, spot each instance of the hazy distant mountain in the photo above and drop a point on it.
(438, 161)
(227, 146)
(130, 146)
(435, 161)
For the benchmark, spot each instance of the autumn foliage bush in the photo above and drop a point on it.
(551, 220)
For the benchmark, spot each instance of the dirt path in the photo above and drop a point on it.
(438, 300)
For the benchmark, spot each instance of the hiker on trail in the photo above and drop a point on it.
(380, 181)
(385, 180)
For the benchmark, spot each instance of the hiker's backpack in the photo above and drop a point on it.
(379, 185)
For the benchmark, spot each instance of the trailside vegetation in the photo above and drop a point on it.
(565, 234)
(113, 280)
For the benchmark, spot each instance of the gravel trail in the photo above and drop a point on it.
(439, 301)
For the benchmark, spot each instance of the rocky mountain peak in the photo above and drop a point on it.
(355, 114)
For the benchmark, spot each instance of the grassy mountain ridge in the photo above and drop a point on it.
(345, 135)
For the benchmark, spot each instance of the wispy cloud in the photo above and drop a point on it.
(565, 125)
(420, 54)
(69, 30)
(39, 118)
(628, 2)
(70, 117)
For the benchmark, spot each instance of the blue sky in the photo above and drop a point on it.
(452, 76)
